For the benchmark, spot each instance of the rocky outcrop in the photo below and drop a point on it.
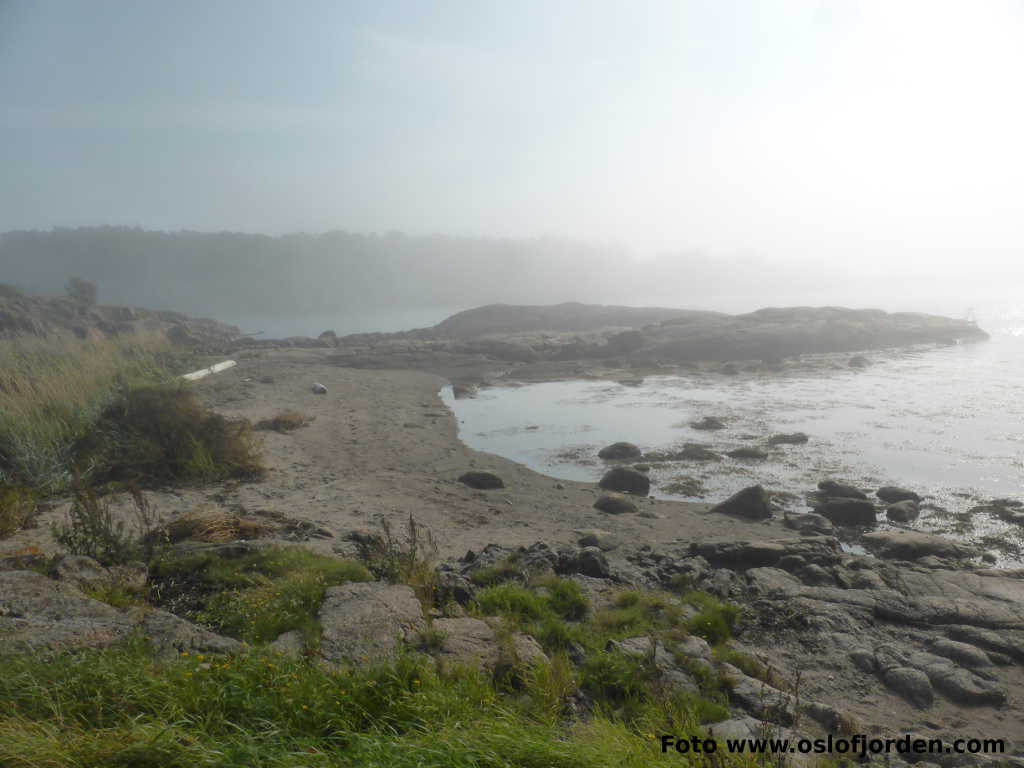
(364, 623)
(913, 545)
(40, 614)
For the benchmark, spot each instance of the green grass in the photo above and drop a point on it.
(52, 392)
(120, 707)
(260, 595)
(716, 619)
(17, 507)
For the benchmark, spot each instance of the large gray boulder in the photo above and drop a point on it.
(620, 451)
(474, 642)
(891, 494)
(365, 623)
(848, 511)
(751, 503)
(613, 504)
(626, 480)
(912, 684)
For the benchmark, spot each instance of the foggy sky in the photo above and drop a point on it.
(886, 132)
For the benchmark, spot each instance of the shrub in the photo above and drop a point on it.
(157, 435)
(565, 597)
(17, 507)
(410, 561)
(92, 530)
(285, 421)
(614, 677)
(516, 603)
(52, 392)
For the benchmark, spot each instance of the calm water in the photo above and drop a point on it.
(947, 422)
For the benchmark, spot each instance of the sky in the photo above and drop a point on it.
(875, 131)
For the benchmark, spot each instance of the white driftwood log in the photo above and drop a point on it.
(207, 371)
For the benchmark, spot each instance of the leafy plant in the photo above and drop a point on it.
(92, 530)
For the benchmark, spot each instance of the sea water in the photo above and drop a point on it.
(947, 422)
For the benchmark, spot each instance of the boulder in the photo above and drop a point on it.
(912, 684)
(615, 505)
(843, 490)
(595, 537)
(913, 545)
(364, 623)
(697, 452)
(484, 481)
(626, 480)
(962, 653)
(751, 503)
(795, 438)
(473, 642)
(620, 451)
(892, 494)
(589, 561)
(847, 511)
(708, 422)
(858, 361)
(747, 453)
(903, 511)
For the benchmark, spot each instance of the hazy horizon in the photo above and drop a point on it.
(857, 152)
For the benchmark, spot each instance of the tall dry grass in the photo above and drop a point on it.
(52, 390)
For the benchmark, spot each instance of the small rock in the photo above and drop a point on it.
(708, 422)
(620, 451)
(751, 503)
(483, 481)
(843, 490)
(463, 391)
(858, 361)
(848, 511)
(290, 643)
(595, 537)
(319, 389)
(892, 494)
(747, 453)
(591, 562)
(626, 480)
(795, 438)
(696, 452)
(903, 511)
(615, 505)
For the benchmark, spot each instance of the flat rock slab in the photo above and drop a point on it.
(912, 545)
(364, 623)
(40, 614)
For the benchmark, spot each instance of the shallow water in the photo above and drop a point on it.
(947, 422)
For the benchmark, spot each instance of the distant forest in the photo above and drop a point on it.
(197, 272)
